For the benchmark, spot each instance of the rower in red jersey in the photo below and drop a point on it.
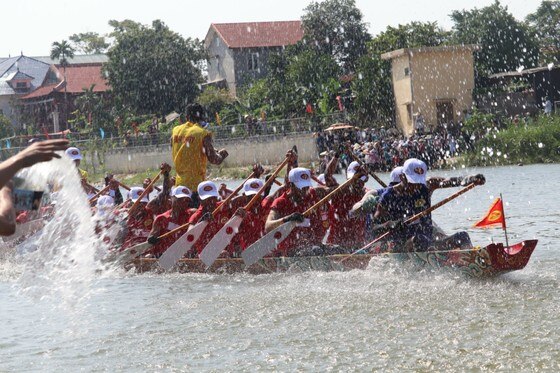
(252, 227)
(139, 222)
(208, 195)
(345, 230)
(178, 215)
(290, 206)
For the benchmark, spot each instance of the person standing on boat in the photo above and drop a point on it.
(192, 148)
(179, 214)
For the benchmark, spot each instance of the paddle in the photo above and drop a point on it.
(184, 243)
(220, 241)
(146, 191)
(124, 186)
(368, 169)
(414, 218)
(270, 241)
(96, 196)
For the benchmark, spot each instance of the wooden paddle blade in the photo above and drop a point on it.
(125, 256)
(267, 243)
(181, 246)
(219, 242)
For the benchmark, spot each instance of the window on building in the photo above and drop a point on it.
(409, 111)
(253, 62)
(406, 71)
(21, 85)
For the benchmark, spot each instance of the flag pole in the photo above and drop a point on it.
(504, 224)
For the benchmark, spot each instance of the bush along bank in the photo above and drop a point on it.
(514, 141)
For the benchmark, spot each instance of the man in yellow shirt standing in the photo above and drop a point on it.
(192, 148)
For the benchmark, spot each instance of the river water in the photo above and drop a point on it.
(388, 317)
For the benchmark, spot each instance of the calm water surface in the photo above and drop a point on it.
(388, 317)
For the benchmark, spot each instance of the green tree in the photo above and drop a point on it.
(215, 100)
(506, 44)
(153, 69)
(6, 127)
(335, 28)
(545, 22)
(62, 51)
(89, 43)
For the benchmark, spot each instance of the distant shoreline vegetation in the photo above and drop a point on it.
(521, 140)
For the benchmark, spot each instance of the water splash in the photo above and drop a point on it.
(65, 253)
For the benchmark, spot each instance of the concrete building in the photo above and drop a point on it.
(239, 52)
(434, 82)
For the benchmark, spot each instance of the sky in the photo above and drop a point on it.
(33, 25)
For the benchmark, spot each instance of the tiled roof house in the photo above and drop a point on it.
(239, 52)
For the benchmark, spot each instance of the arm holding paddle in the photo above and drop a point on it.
(163, 196)
(440, 182)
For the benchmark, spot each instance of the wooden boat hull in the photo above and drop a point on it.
(488, 261)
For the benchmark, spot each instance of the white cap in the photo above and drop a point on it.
(105, 202)
(321, 178)
(352, 169)
(207, 189)
(135, 193)
(252, 186)
(396, 174)
(181, 192)
(415, 171)
(301, 177)
(74, 153)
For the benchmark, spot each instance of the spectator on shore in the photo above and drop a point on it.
(548, 107)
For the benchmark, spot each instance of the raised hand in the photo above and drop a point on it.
(42, 151)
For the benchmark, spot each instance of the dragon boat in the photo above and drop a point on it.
(478, 262)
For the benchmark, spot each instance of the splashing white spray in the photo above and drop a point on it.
(65, 261)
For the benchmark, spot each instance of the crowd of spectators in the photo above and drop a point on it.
(382, 149)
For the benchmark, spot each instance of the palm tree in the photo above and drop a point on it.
(63, 50)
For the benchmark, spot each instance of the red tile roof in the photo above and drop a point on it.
(259, 34)
(78, 77)
(40, 92)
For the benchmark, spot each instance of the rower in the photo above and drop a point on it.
(346, 230)
(299, 196)
(140, 220)
(368, 203)
(179, 214)
(208, 195)
(410, 197)
(114, 190)
(192, 147)
(76, 156)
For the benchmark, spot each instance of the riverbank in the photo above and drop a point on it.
(521, 141)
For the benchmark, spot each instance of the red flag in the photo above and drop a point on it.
(340, 106)
(494, 217)
(309, 108)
